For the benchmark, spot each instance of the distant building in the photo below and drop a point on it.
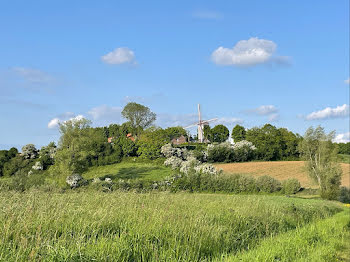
(110, 139)
(179, 140)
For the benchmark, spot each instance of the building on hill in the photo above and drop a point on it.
(110, 139)
(179, 140)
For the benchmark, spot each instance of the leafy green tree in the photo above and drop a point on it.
(150, 143)
(219, 133)
(139, 116)
(207, 132)
(267, 141)
(176, 131)
(74, 148)
(238, 133)
(320, 155)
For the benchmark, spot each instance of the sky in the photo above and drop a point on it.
(246, 62)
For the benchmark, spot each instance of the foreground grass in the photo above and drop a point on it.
(326, 240)
(129, 170)
(93, 226)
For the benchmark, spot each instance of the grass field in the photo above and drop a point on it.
(95, 226)
(280, 170)
(128, 170)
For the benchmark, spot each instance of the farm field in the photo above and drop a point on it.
(120, 226)
(280, 170)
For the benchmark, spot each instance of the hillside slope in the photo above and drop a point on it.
(280, 170)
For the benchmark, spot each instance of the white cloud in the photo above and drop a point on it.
(347, 81)
(328, 112)
(264, 110)
(249, 52)
(208, 15)
(228, 121)
(104, 112)
(32, 75)
(54, 123)
(342, 138)
(120, 55)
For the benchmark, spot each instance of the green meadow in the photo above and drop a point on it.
(87, 225)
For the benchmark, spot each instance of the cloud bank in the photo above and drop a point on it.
(329, 113)
(54, 123)
(247, 53)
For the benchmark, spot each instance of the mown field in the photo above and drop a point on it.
(119, 226)
(280, 170)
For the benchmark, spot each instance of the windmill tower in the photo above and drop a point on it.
(201, 123)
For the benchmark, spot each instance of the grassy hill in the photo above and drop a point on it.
(280, 170)
(117, 226)
(129, 170)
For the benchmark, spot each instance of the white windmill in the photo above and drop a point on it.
(201, 123)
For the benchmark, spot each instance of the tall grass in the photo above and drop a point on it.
(95, 226)
(326, 240)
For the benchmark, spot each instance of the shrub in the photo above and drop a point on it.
(344, 195)
(243, 151)
(290, 186)
(208, 169)
(188, 165)
(220, 153)
(268, 184)
(174, 162)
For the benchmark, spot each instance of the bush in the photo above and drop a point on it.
(268, 184)
(220, 153)
(290, 186)
(344, 195)
(243, 151)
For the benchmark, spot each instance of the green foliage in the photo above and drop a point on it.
(207, 132)
(344, 148)
(173, 132)
(121, 226)
(268, 184)
(17, 166)
(238, 133)
(344, 195)
(321, 155)
(219, 134)
(324, 240)
(273, 143)
(128, 147)
(6, 156)
(140, 117)
(291, 186)
(150, 143)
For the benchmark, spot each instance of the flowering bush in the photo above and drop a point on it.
(208, 169)
(243, 151)
(173, 161)
(188, 165)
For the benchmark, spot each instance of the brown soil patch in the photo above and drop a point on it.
(280, 170)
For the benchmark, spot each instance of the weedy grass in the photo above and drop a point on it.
(124, 226)
(130, 170)
(325, 240)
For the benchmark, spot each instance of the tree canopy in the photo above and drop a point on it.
(139, 116)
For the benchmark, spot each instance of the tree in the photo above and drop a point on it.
(206, 132)
(238, 133)
(139, 116)
(320, 155)
(219, 133)
(150, 143)
(176, 131)
(29, 151)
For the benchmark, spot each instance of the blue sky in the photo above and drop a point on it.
(248, 62)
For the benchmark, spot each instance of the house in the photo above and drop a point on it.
(110, 139)
(179, 140)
